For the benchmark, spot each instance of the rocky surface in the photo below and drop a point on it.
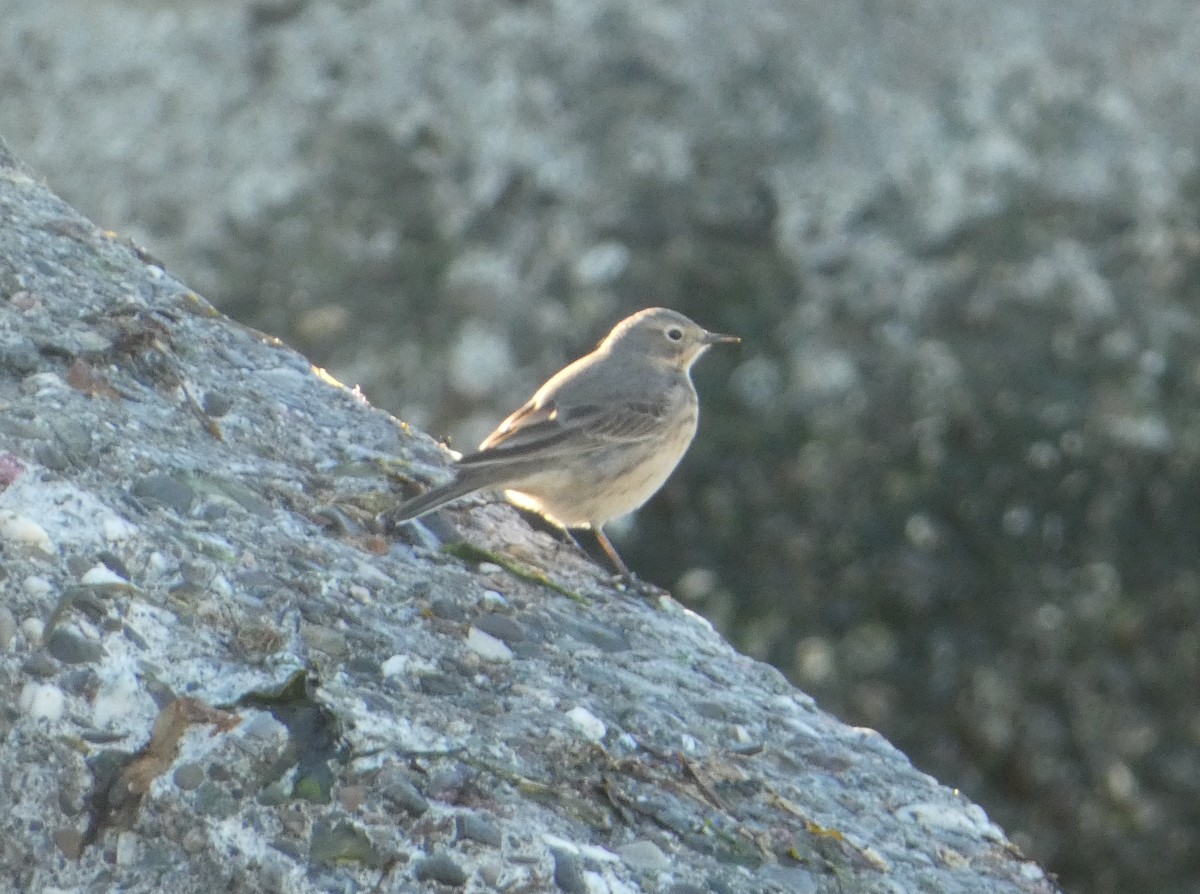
(948, 485)
(215, 677)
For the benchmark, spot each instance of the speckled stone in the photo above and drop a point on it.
(500, 626)
(216, 403)
(448, 610)
(8, 628)
(477, 827)
(165, 490)
(40, 665)
(568, 872)
(440, 867)
(645, 855)
(403, 795)
(604, 638)
(188, 776)
(71, 648)
(440, 684)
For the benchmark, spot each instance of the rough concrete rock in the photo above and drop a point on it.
(950, 488)
(260, 634)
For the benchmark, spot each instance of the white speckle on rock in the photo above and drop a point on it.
(1032, 871)
(587, 851)
(487, 646)
(560, 844)
(371, 574)
(43, 700)
(43, 383)
(359, 593)
(158, 562)
(37, 587)
(100, 575)
(589, 725)
(25, 533)
(394, 666)
(33, 628)
(117, 530)
(968, 819)
(492, 598)
(688, 744)
(698, 619)
(644, 854)
(117, 696)
(261, 725)
(127, 848)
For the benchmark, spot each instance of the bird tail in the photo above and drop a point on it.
(434, 498)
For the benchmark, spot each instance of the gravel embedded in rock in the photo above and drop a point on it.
(217, 404)
(568, 872)
(606, 639)
(441, 867)
(40, 665)
(188, 776)
(8, 628)
(476, 827)
(165, 490)
(500, 626)
(404, 795)
(644, 854)
(440, 684)
(71, 648)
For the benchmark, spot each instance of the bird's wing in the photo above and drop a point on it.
(547, 430)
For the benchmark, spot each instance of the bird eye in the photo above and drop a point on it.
(674, 333)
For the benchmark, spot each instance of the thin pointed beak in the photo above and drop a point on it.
(716, 338)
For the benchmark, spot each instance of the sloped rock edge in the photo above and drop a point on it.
(183, 515)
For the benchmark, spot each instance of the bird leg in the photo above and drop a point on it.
(611, 552)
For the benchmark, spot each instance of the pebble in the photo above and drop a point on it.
(69, 841)
(100, 575)
(322, 639)
(476, 827)
(71, 648)
(165, 490)
(441, 867)
(487, 646)
(40, 665)
(403, 794)
(394, 666)
(501, 626)
(188, 776)
(589, 725)
(43, 700)
(568, 872)
(33, 629)
(216, 404)
(645, 855)
(8, 628)
(37, 587)
(25, 533)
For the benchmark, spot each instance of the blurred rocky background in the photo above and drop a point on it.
(948, 484)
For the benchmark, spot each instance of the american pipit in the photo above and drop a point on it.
(600, 437)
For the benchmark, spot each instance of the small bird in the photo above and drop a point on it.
(600, 437)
